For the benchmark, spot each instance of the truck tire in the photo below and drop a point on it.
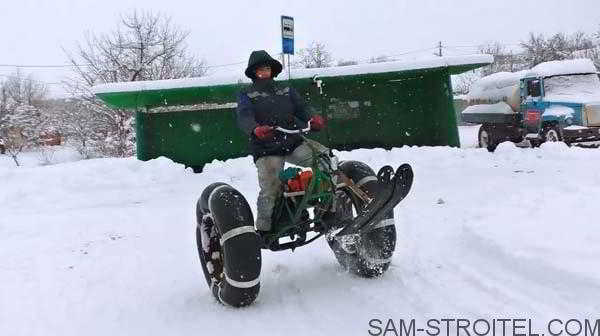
(371, 255)
(228, 246)
(486, 138)
(552, 133)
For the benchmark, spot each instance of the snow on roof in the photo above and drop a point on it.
(295, 74)
(565, 67)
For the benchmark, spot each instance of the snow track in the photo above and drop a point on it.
(107, 247)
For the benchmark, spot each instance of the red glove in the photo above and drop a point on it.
(317, 123)
(263, 132)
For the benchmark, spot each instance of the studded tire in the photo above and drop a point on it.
(228, 246)
(371, 255)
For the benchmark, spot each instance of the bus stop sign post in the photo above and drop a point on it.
(287, 34)
(287, 38)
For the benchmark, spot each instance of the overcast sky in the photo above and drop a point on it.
(32, 32)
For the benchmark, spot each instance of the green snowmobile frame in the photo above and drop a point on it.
(290, 215)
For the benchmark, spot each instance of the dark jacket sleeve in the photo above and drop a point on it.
(245, 114)
(301, 111)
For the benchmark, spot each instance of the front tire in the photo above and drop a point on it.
(228, 246)
(371, 254)
(486, 138)
(552, 133)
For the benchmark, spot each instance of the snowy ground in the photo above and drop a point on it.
(106, 247)
(48, 156)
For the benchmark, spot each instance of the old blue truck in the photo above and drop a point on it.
(554, 101)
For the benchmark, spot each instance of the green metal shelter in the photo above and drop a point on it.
(392, 104)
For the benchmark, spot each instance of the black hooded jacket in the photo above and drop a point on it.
(266, 102)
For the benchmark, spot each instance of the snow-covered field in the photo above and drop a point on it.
(107, 247)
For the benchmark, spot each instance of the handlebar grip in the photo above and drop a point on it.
(303, 130)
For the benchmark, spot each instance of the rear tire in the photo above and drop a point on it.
(228, 246)
(371, 255)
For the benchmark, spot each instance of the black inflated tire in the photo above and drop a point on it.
(373, 253)
(228, 247)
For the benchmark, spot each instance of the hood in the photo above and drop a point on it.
(258, 58)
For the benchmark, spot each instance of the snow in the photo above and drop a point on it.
(564, 67)
(495, 86)
(295, 74)
(576, 128)
(107, 247)
(498, 108)
(559, 111)
(577, 89)
(46, 155)
(498, 87)
(468, 136)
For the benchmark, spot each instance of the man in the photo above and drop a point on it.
(263, 106)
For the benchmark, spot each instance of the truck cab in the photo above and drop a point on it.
(561, 108)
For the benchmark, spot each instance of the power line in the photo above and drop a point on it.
(44, 65)
(33, 66)
(32, 80)
(88, 65)
(50, 66)
(483, 44)
(225, 65)
(413, 52)
(208, 66)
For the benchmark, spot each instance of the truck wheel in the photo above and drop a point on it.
(371, 254)
(486, 138)
(551, 133)
(228, 246)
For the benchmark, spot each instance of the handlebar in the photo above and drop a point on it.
(298, 131)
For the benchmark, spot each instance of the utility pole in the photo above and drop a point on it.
(440, 49)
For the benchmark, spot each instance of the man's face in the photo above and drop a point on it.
(263, 72)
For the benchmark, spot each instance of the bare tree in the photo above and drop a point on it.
(315, 55)
(76, 120)
(21, 89)
(540, 49)
(21, 119)
(594, 52)
(504, 59)
(21, 128)
(4, 101)
(145, 46)
(346, 63)
(461, 84)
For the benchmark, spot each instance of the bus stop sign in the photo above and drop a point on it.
(287, 34)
